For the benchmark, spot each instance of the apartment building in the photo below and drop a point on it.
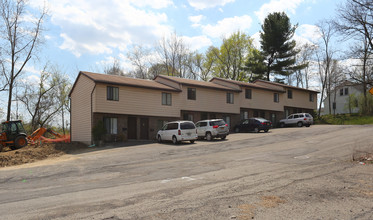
(136, 108)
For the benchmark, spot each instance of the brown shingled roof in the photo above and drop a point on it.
(283, 85)
(126, 81)
(251, 85)
(197, 83)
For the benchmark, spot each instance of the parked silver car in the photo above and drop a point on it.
(212, 128)
(298, 119)
(177, 131)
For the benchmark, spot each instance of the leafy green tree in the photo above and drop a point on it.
(228, 61)
(255, 66)
(277, 45)
(200, 65)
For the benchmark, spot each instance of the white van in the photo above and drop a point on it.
(177, 131)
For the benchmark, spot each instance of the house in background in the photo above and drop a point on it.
(137, 108)
(340, 99)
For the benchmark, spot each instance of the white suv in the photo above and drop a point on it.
(177, 131)
(212, 128)
(298, 119)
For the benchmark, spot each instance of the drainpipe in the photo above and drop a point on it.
(92, 111)
(71, 133)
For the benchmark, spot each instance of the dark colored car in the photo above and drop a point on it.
(253, 124)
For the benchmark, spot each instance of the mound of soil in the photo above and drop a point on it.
(32, 153)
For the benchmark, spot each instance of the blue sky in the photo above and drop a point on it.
(88, 34)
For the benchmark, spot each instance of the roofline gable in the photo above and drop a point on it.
(196, 85)
(246, 84)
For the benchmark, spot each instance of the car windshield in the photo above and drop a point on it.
(219, 123)
(187, 125)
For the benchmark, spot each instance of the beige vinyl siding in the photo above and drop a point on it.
(301, 99)
(81, 110)
(261, 99)
(209, 100)
(136, 101)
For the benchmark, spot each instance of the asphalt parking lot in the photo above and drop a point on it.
(290, 173)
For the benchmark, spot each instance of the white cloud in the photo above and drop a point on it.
(31, 69)
(156, 4)
(227, 26)
(203, 4)
(307, 34)
(196, 19)
(287, 6)
(310, 32)
(32, 80)
(197, 42)
(100, 27)
(256, 40)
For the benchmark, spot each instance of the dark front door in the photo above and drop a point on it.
(144, 128)
(132, 128)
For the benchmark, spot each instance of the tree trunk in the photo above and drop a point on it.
(63, 120)
(10, 99)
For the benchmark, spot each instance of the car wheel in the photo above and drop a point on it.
(159, 139)
(192, 141)
(300, 124)
(208, 136)
(174, 140)
(256, 130)
(266, 130)
(237, 130)
(282, 125)
(223, 137)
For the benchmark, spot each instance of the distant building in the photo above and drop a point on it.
(340, 97)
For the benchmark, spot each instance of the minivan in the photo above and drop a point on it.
(177, 131)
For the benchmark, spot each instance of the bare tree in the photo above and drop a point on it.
(62, 89)
(140, 59)
(20, 38)
(362, 72)
(114, 69)
(41, 99)
(324, 58)
(355, 19)
(174, 56)
(302, 76)
(335, 78)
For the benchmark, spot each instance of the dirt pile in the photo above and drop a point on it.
(32, 153)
